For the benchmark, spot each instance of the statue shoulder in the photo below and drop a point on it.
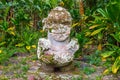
(43, 42)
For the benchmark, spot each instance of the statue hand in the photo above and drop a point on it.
(73, 46)
(43, 44)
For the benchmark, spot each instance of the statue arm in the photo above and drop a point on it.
(43, 44)
(73, 46)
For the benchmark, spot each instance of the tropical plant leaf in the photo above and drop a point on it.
(99, 47)
(87, 33)
(96, 31)
(107, 54)
(116, 36)
(116, 65)
(53, 3)
(75, 24)
(20, 44)
(103, 12)
(89, 42)
(107, 71)
(94, 26)
(2, 43)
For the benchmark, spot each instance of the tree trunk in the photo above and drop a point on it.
(81, 8)
(35, 21)
(10, 15)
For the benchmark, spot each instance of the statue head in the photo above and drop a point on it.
(58, 23)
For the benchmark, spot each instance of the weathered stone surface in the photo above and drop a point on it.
(57, 76)
(58, 49)
(1, 72)
(42, 74)
(110, 77)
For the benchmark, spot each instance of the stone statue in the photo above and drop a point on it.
(57, 50)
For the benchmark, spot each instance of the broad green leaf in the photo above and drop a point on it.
(53, 3)
(116, 36)
(20, 44)
(100, 36)
(94, 26)
(87, 33)
(75, 24)
(96, 31)
(107, 71)
(116, 65)
(2, 43)
(107, 54)
(89, 42)
(99, 47)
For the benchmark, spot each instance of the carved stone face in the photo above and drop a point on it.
(58, 23)
(61, 33)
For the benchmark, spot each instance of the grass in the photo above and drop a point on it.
(88, 70)
(94, 58)
(17, 67)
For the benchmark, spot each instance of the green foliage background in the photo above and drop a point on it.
(21, 26)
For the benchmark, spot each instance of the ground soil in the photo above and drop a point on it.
(24, 66)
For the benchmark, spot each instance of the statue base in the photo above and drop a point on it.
(41, 71)
(52, 68)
